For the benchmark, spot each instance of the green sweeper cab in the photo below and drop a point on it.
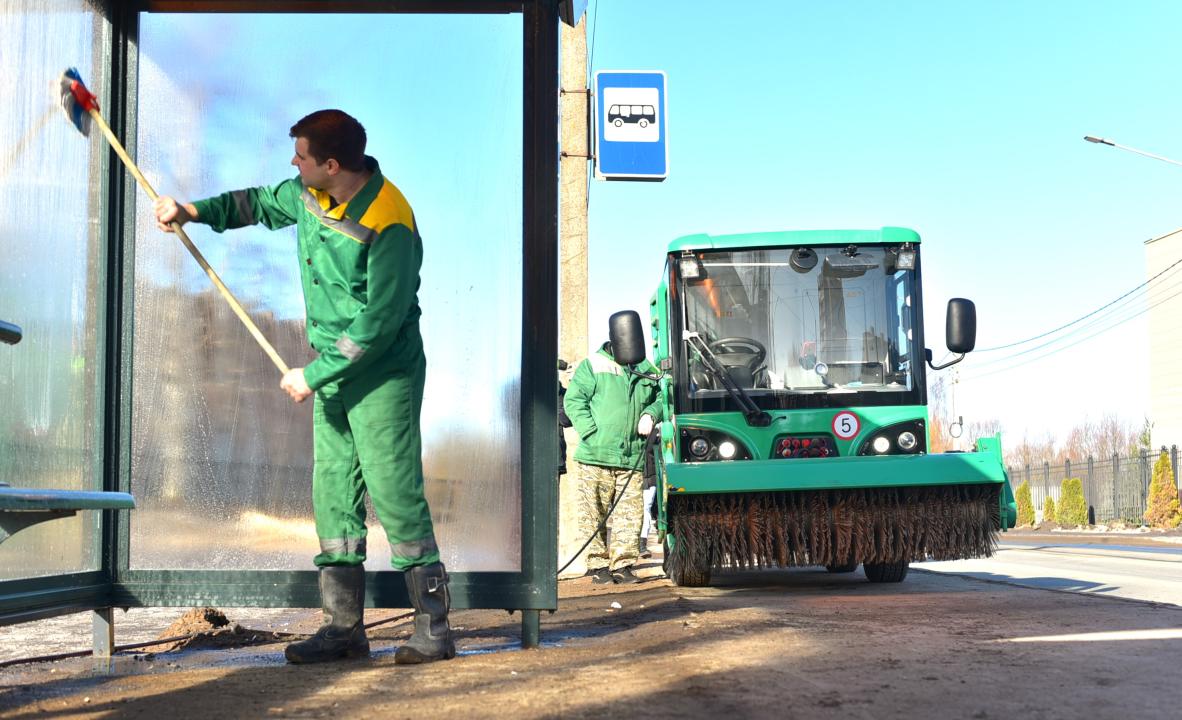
(796, 427)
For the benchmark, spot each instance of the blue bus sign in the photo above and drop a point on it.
(631, 141)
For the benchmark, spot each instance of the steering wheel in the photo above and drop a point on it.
(747, 351)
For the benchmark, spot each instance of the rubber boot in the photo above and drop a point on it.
(432, 639)
(342, 595)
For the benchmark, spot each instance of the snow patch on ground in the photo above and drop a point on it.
(1173, 537)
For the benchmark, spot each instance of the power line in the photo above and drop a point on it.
(591, 74)
(1097, 319)
(594, 34)
(1103, 330)
(1077, 342)
(1077, 320)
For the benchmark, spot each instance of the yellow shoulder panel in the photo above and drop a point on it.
(388, 208)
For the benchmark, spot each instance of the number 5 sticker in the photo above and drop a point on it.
(846, 425)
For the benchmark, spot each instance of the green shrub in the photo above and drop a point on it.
(1025, 505)
(1162, 508)
(1048, 509)
(1073, 508)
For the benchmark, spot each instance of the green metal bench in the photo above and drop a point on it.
(22, 507)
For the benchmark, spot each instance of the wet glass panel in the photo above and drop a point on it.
(221, 458)
(51, 282)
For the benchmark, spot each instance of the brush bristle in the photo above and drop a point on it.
(834, 527)
(74, 111)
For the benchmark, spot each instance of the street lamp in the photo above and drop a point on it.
(1105, 141)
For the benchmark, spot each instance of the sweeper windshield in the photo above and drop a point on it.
(797, 321)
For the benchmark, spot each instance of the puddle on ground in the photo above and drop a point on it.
(576, 634)
(76, 672)
(502, 647)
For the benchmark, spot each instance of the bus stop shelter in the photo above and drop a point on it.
(133, 376)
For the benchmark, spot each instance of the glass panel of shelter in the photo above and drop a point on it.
(221, 459)
(51, 281)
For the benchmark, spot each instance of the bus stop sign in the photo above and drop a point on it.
(631, 139)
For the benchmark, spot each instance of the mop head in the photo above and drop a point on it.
(834, 527)
(77, 101)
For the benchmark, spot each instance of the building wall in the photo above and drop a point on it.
(1165, 339)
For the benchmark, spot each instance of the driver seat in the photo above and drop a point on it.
(742, 376)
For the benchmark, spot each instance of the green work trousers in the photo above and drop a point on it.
(367, 439)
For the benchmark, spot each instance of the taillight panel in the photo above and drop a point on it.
(804, 446)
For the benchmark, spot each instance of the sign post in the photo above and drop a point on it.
(631, 138)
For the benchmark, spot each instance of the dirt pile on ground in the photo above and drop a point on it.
(207, 627)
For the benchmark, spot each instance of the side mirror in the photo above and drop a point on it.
(960, 328)
(626, 336)
(9, 333)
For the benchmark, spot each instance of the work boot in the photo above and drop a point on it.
(645, 553)
(432, 639)
(624, 576)
(342, 595)
(602, 576)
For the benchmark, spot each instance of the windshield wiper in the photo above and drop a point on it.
(751, 412)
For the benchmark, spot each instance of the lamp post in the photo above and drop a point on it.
(1106, 141)
(1163, 329)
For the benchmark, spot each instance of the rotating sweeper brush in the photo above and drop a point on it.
(878, 527)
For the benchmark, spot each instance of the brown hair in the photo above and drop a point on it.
(333, 134)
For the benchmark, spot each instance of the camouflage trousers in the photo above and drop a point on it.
(617, 544)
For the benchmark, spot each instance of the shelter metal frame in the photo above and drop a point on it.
(115, 584)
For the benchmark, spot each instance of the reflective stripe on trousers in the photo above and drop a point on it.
(367, 439)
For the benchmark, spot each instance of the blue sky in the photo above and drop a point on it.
(963, 121)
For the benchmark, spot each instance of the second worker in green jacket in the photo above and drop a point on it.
(359, 253)
(612, 410)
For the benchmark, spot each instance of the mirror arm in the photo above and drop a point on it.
(953, 361)
(632, 369)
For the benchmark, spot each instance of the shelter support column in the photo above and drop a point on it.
(531, 628)
(103, 637)
(574, 103)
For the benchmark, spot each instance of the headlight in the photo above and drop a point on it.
(699, 445)
(904, 438)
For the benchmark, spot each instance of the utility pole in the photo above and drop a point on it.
(574, 107)
(573, 100)
(957, 443)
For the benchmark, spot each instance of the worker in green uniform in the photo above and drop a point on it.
(612, 408)
(359, 254)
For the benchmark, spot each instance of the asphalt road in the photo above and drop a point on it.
(1151, 573)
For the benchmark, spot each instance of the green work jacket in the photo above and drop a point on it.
(359, 266)
(604, 402)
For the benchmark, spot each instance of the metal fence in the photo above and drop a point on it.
(1115, 488)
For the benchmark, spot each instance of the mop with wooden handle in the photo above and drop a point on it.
(81, 106)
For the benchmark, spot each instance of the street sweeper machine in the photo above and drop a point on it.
(796, 427)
